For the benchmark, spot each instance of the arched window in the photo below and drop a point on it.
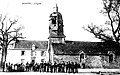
(54, 20)
(111, 56)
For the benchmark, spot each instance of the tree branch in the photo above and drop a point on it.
(12, 24)
(12, 31)
(3, 21)
(13, 39)
(111, 25)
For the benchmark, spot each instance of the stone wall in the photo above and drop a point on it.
(90, 61)
(97, 61)
(59, 58)
(118, 59)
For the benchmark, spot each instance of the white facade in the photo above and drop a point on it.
(24, 55)
(15, 56)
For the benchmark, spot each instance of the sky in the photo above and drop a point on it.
(34, 16)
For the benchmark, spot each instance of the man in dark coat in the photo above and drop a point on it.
(72, 67)
(60, 67)
(83, 65)
(55, 67)
(38, 67)
(51, 67)
(66, 67)
(45, 65)
(42, 66)
(48, 66)
(69, 66)
(63, 67)
(27, 66)
(7, 67)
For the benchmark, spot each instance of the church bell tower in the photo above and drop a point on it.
(56, 32)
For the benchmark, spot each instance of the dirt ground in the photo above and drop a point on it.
(38, 73)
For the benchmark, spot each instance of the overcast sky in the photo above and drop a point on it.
(34, 16)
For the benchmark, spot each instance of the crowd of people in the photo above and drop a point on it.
(63, 67)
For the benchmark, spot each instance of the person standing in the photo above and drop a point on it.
(66, 67)
(55, 67)
(44, 65)
(48, 66)
(63, 66)
(40, 67)
(76, 66)
(72, 67)
(69, 66)
(51, 67)
(83, 65)
(27, 66)
(60, 67)
(6, 67)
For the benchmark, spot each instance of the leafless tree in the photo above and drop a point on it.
(7, 35)
(111, 29)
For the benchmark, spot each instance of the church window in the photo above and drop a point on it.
(54, 20)
(33, 61)
(33, 53)
(22, 53)
(42, 53)
(42, 60)
(110, 58)
(22, 60)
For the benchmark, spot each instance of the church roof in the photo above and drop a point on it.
(28, 44)
(71, 47)
(75, 47)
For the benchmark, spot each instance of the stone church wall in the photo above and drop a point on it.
(92, 61)
(97, 61)
(59, 58)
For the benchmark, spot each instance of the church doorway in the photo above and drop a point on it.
(110, 58)
(82, 56)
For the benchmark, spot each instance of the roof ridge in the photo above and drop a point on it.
(32, 40)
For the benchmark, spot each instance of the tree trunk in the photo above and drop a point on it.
(3, 59)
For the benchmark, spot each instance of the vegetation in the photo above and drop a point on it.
(109, 32)
(7, 35)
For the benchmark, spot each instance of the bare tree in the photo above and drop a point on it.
(7, 35)
(111, 31)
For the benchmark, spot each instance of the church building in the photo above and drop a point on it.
(58, 49)
(75, 51)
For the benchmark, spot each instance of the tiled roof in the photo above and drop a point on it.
(71, 47)
(29, 43)
(75, 47)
